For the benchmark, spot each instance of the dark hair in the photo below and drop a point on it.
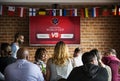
(16, 36)
(76, 51)
(3, 47)
(87, 57)
(96, 52)
(39, 52)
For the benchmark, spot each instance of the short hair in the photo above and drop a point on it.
(17, 35)
(113, 51)
(77, 50)
(39, 52)
(21, 53)
(88, 57)
(96, 52)
(4, 46)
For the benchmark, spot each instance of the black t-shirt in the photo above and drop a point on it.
(88, 73)
(4, 62)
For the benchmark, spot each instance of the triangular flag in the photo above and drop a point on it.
(1, 10)
(95, 12)
(21, 12)
(105, 11)
(60, 12)
(54, 12)
(42, 12)
(32, 12)
(114, 10)
(11, 10)
(86, 12)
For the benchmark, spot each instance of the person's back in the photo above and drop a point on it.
(114, 63)
(23, 70)
(60, 65)
(100, 63)
(58, 72)
(90, 71)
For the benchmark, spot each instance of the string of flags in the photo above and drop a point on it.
(82, 12)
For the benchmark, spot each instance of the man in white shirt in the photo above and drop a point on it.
(18, 40)
(22, 69)
(77, 57)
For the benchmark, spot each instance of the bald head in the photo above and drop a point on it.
(22, 53)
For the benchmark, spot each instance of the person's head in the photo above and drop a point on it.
(23, 53)
(5, 49)
(61, 53)
(19, 38)
(77, 51)
(40, 54)
(89, 58)
(111, 52)
(96, 52)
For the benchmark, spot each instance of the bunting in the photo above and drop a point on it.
(114, 10)
(32, 12)
(21, 12)
(73, 12)
(1, 10)
(64, 12)
(49, 12)
(105, 11)
(60, 12)
(83, 12)
(11, 10)
(95, 12)
(86, 12)
(119, 10)
(42, 12)
(54, 12)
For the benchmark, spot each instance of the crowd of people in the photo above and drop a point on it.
(87, 66)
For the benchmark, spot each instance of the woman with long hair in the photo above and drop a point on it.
(60, 65)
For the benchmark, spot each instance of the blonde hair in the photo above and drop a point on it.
(61, 54)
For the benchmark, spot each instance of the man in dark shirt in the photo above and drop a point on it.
(89, 71)
(5, 58)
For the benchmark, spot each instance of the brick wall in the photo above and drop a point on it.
(100, 32)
